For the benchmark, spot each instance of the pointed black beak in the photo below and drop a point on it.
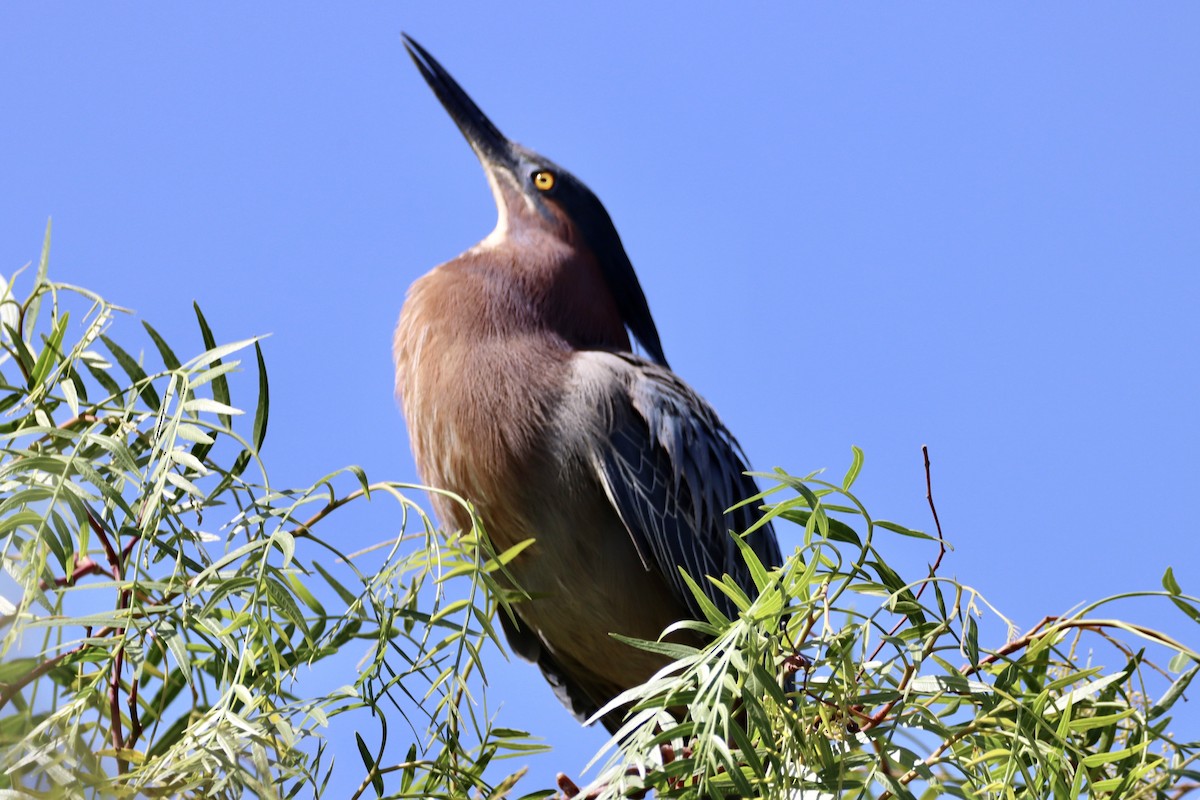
(485, 139)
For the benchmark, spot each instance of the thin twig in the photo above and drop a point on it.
(933, 568)
(110, 553)
(114, 707)
(1097, 626)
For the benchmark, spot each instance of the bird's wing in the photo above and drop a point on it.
(671, 469)
(526, 643)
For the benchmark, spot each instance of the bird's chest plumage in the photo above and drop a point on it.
(496, 413)
(483, 352)
(474, 423)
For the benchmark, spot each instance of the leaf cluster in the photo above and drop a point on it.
(163, 598)
(845, 679)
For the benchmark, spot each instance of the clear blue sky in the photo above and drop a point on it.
(976, 228)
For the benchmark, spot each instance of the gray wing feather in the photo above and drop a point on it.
(671, 469)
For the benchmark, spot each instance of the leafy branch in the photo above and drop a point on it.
(164, 596)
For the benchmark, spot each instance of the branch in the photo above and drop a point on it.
(83, 567)
(9, 690)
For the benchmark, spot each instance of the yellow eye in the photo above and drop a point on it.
(543, 180)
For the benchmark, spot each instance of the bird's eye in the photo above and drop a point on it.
(543, 180)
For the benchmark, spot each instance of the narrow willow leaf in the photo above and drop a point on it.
(188, 461)
(953, 684)
(757, 571)
(369, 762)
(1169, 583)
(178, 649)
(264, 402)
(39, 279)
(346, 595)
(1083, 724)
(856, 463)
(283, 602)
(671, 650)
(1173, 693)
(507, 556)
(71, 396)
(838, 530)
(306, 597)
(410, 771)
(135, 372)
(1096, 759)
(1179, 662)
(1087, 690)
(164, 350)
(286, 544)
(359, 473)
(220, 387)
(50, 354)
(202, 405)
(903, 531)
(23, 355)
(212, 358)
(183, 483)
(211, 374)
(707, 607)
(972, 641)
(191, 433)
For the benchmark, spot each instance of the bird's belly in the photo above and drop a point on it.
(586, 581)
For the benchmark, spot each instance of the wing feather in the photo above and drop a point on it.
(671, 469)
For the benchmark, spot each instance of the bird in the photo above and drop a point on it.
(522, 392)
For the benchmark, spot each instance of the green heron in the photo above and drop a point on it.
(522, 393)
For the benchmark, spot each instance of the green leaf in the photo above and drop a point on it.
(164, 350)
(1096, 759)
(191, 433)
(39, 280)
(757, 571)
(410, 771)
(135, 372)
(306, 597)
(903, 531)
(671, 650)
(1179, 662)
(104, 379)
(369, 761)
(71, 395)
(220, 386)
(50, 354)
(838, 530)
(346, 595)
(261, 412)
(856, 463)
(1173, 693)
(707, 607)
(286, 544)
(1192, 612)
(202, 405)
(1169, 583)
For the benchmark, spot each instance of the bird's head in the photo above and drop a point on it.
(532, 192)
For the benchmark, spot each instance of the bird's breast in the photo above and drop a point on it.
(476, 394)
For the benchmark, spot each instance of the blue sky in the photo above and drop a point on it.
(969, 227)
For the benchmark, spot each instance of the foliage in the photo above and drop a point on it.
(891, 694)
(164, 597)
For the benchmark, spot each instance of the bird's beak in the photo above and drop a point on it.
(489, 144)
